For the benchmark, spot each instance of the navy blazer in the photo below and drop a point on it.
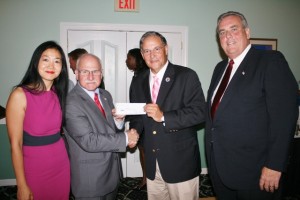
(175, 145)
(255, 121)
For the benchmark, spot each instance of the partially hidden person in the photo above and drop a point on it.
(136, 63)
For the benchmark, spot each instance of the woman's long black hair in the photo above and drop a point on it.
(33, 82)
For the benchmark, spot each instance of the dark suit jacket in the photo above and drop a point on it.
(175, 145)
(255, 121)
(93, 144)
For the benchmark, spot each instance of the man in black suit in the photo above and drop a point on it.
(170, 124)
(249, 135)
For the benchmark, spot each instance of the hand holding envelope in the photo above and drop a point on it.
(122, 109)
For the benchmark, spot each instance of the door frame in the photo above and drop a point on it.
(66, 26)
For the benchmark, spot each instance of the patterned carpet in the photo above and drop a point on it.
(126, 190)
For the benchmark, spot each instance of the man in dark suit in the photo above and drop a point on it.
(94, 135)
(249, 134)
(170, 124)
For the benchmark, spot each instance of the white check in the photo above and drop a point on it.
(130, 108)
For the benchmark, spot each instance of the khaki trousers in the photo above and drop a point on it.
(158, 189)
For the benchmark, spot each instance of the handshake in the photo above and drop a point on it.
(133, 137)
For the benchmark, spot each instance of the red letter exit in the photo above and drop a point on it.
(127, 5)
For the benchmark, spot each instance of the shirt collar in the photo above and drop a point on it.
(240, 58)
(91, 93)
(161, 72)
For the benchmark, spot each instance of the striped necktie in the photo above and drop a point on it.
(155, 88)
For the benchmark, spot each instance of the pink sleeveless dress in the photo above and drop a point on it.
(47, 167)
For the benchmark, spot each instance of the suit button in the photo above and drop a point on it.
(212, 129)
(153, 150)
(154, 132)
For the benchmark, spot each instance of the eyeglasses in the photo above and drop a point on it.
(156, 50)
(87, 72)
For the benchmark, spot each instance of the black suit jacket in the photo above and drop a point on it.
(255, 121)
(175, 145)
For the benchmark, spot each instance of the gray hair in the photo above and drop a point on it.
(152, 33)
(85, 55)
(232, 13)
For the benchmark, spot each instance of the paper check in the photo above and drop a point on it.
(130, 108)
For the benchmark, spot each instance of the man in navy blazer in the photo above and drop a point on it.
(170, 124)
(248, 139)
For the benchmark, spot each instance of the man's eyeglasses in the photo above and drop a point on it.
(87, 72)
(156, 50)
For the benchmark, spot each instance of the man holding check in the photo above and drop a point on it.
(175, 106)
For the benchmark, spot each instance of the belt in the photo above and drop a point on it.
(29, 140)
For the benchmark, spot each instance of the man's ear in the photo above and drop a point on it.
(247, 33)
(77, 74)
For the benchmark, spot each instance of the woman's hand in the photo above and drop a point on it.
(24, 193)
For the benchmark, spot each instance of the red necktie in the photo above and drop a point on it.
(96, 99)
(221, 89)
(155, 88)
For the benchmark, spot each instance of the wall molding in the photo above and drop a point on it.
(7, 182)
(3, 121)
(204, 171)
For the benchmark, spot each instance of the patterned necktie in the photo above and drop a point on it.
(221, 89)
(96, 99)
(155, 88)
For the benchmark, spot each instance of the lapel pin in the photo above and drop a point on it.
(105, 99)
(168, 79)
(243, 73)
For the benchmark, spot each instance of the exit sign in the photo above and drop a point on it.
(127, 5)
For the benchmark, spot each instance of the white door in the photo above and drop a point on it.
(112, 48)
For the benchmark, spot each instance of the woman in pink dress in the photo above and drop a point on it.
(34, 116)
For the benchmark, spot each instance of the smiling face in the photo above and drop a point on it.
(234, 38)
(155, 53)
(50, 65)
